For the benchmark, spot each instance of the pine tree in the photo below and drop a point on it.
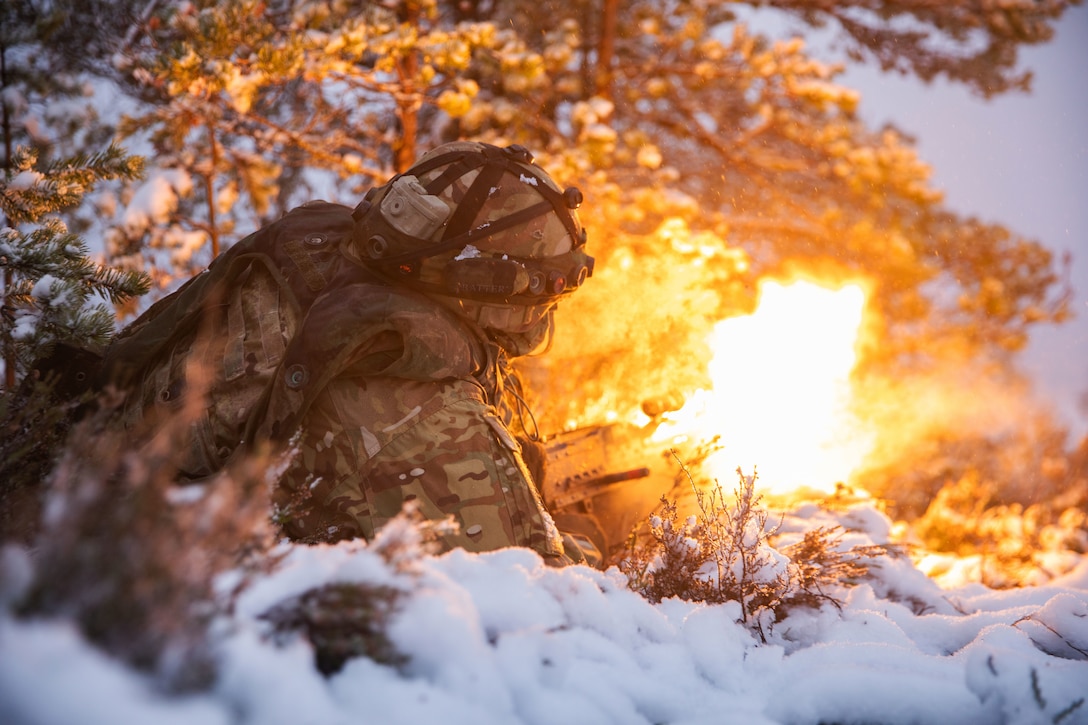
(50, 279)
(711, 151)
(253, 108)
(51, 163)
(50, 326)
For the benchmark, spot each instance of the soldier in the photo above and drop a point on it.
(375, 343)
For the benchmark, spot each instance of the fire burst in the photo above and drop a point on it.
(780, 390)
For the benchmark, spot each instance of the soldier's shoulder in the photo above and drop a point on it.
(315, 228)
(321, 204)
(320, 210)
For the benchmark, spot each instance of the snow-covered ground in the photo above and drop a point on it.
(501, 638)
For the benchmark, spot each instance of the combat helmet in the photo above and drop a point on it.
(483, 229)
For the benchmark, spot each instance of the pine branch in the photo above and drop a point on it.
(50, 277)
(113, 163)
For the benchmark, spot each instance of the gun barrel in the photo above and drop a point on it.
(598, 485)
(620, 476)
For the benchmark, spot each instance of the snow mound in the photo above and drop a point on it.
(503, 638)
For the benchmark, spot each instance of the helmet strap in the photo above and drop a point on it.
(469, 207)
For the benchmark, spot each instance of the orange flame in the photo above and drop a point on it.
(780, 390)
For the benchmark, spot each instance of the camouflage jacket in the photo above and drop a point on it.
(383, 395)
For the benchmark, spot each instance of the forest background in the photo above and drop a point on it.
(711, 155)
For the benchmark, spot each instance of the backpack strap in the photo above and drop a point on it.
(363, 326)
(301, 250)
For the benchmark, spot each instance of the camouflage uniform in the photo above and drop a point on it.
(393, 397)
(374, 342)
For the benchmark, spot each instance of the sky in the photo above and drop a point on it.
(1020, 160)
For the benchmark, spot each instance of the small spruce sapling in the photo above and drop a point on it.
(49, 275)
(50, 326)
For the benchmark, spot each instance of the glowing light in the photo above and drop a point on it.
(781, 390)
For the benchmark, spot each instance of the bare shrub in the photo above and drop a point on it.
(131, 557)
(724, 553)
(673, 564)
(820, 565)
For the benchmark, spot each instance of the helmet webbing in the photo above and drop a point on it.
(478, 169)
(494, 162)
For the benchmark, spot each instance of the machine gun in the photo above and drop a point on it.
(603, 481)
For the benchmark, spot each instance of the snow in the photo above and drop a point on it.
(13, 99)
(183, 244)
(502, 638)
(25, 324)
(50, 676)
(469, 252)
(25, 180)
(156, 199)
(44, 288)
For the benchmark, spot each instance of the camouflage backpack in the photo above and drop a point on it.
(231, 333)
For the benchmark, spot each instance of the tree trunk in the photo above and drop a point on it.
(8, 344)
(407, 100)
(606, 49)
(209, 190)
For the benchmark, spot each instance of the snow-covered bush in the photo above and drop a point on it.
(346, 619)
(1007, 543)
(727, 553)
